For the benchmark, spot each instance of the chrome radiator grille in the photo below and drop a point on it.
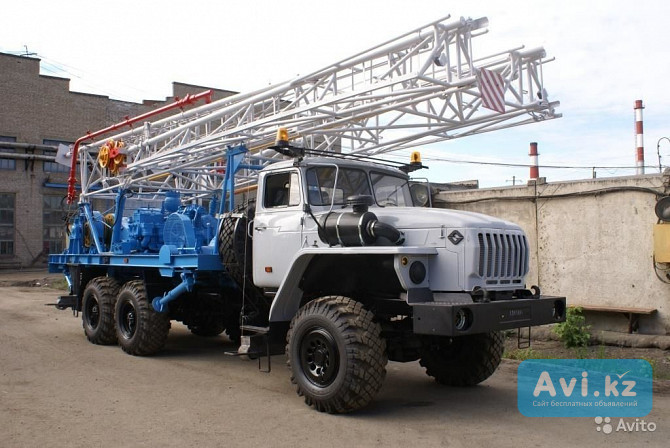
(503, 257)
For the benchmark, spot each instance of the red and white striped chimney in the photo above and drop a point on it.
(639, 138)
(534, 168)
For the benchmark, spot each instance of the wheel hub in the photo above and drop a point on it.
(93, 313)
(319, 357)
(128, 321)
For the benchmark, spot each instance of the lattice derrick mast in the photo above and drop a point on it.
(415, 89)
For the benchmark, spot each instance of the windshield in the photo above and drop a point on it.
(321, 186)
(390, 190)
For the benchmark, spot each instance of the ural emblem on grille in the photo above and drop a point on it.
(455, 237)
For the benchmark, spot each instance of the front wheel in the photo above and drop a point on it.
(462, 360)
(139, 328)
(336, 354)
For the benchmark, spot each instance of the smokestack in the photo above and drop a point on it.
(534, 168)
(639, 138)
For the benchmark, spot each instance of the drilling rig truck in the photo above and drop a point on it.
(309, 244)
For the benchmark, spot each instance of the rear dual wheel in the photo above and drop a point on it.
(98, 303)
(140, 329)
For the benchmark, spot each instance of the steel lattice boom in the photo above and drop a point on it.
(421, 87)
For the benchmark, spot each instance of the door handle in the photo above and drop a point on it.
(260, 229)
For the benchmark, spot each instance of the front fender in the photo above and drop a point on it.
(288, 297)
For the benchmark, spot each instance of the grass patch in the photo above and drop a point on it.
(657, 358)
(61, 284)
(522, 354)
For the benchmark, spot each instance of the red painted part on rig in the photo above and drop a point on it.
(639, 138)
(180, 103)
(534, 168)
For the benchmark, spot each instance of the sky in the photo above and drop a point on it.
(608, 54)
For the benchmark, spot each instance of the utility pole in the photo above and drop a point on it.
(658, 152)
(513, 180)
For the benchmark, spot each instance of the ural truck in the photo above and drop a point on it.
(297, 246)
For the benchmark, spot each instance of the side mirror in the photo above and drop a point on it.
(662, 208)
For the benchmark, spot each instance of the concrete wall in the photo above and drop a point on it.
(592, 241)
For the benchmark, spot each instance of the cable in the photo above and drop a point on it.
(473, 162)
(665, 270)
(339, 155)
(526, 165)
(64, 69)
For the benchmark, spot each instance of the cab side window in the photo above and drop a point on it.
(282, 190)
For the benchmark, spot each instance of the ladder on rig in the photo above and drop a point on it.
(424, 86)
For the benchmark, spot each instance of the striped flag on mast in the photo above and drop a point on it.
(492, 88)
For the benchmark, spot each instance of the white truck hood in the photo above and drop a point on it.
(404, 218)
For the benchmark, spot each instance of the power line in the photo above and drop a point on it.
(526, 165)
(523, 165)
(87, 78)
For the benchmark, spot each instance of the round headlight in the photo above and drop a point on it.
(417, 272)
(420, 194)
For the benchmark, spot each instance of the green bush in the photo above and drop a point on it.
(573, 332)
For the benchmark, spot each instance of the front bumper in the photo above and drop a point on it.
(447, 319)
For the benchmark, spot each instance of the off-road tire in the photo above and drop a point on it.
(212, 315)
(463, 360)
(207, 329)
(336, 355)
(140, 330)
(97, 315)
(236, 251)
(213, 329)
(235, 247)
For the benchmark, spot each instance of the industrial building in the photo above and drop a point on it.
(39, 113)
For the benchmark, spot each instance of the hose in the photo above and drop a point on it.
(377, 229)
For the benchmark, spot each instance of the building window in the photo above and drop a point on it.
(52, 224)
(7, 164)
(7, 223)
(53, 167)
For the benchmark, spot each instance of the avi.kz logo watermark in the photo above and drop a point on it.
(607, 426)
(584, 387)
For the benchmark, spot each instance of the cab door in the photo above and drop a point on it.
(277, 227)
